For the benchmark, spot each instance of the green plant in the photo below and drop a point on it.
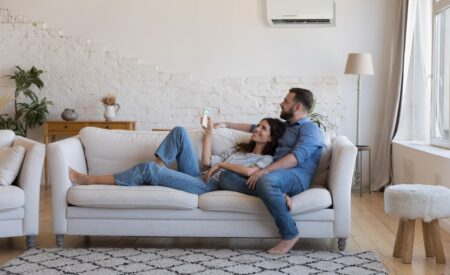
(32, 112)
(321, 120)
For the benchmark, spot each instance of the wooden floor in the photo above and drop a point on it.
(372, 229)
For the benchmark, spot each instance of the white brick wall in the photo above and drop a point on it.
(78, 73)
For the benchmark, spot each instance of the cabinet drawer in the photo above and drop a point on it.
(61, 126)
(118, 126)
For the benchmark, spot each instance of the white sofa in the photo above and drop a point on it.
(19, 202)
(323, 211)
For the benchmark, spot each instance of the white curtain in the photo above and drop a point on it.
(414, 123)
(382, 158)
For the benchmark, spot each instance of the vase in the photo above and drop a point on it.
(69, 115)
(111, 111)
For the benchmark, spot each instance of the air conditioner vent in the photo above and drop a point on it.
(300, 21)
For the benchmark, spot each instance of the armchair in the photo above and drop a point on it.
(19, 202)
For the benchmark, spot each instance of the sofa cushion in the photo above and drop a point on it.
(112, 196)
(109, 151)
(11, 197)
(321, 176)
(11, 159)
(310, 200)
(6, 138)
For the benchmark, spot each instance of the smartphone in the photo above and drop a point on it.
(206, 114)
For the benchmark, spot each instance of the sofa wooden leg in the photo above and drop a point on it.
(60, 241)
(408, 241)
(342, 242)
(31, 241)
(399, 239)
(437, 242)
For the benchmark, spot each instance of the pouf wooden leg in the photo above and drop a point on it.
(408, 241)
(399, 239)
(428, 242)
(437, 242)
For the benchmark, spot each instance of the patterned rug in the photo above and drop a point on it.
(50, 261)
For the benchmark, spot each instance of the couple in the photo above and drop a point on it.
(248, 168)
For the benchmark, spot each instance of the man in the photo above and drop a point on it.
(294, 166)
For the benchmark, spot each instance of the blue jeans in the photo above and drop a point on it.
(270, 189)
(176, 146)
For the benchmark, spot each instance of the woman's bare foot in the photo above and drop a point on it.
(288, 201)
(77, 177)
(283, 246)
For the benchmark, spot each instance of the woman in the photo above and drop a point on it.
(244, 159)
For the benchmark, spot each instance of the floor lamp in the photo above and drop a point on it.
(359, 64)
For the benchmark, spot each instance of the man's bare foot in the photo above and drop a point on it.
(283, 246)
(160, 162)
(288, 201)
(77, 177)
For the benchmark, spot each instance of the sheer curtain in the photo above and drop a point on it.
(414, 123)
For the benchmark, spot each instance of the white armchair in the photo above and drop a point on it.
(19, 202)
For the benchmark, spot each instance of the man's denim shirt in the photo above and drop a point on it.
(305, 141)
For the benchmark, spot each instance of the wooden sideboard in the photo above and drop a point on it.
(59, 128)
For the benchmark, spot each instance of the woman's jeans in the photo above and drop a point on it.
(271, 189)
(176, 146)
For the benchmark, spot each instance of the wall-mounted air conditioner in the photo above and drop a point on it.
(285, 13)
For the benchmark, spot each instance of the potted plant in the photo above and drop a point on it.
(29, 113)
(321, 120)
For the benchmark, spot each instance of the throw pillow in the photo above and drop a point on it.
(225, 138)
(321, 176)
(10, 162)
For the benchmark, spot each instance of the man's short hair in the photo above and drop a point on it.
(303, 96)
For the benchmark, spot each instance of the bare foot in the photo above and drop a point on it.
(77, 177)
(288, 201)
(283, 246)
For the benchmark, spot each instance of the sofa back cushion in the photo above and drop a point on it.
(112, 151)
(6, 138)
(321, 177)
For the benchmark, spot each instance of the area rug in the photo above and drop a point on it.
(50, 261)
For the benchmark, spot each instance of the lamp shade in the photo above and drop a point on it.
(359, 63)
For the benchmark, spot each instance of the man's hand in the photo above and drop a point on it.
(253, 179)
(211, 172)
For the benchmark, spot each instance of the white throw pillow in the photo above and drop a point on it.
(10, 162)
(225, 138)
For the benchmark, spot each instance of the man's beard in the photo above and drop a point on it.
(287, 115)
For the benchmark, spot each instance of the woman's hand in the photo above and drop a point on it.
(208, 129)
(212, 171)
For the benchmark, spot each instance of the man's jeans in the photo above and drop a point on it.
(271, 189)
(176, 146)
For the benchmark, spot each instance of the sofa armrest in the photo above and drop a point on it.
(29, 180)
(340, 184)
(62, 155)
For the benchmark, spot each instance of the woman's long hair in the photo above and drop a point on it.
(276, 131)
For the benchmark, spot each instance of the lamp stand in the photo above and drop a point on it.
(358, 172)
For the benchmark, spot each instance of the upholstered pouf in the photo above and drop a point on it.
(416, 201)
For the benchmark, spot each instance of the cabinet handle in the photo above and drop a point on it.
(65, 126)
(107, 127)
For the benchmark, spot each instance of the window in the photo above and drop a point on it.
(440, 118)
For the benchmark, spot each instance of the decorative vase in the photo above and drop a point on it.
(111, 111)
(69, 115)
